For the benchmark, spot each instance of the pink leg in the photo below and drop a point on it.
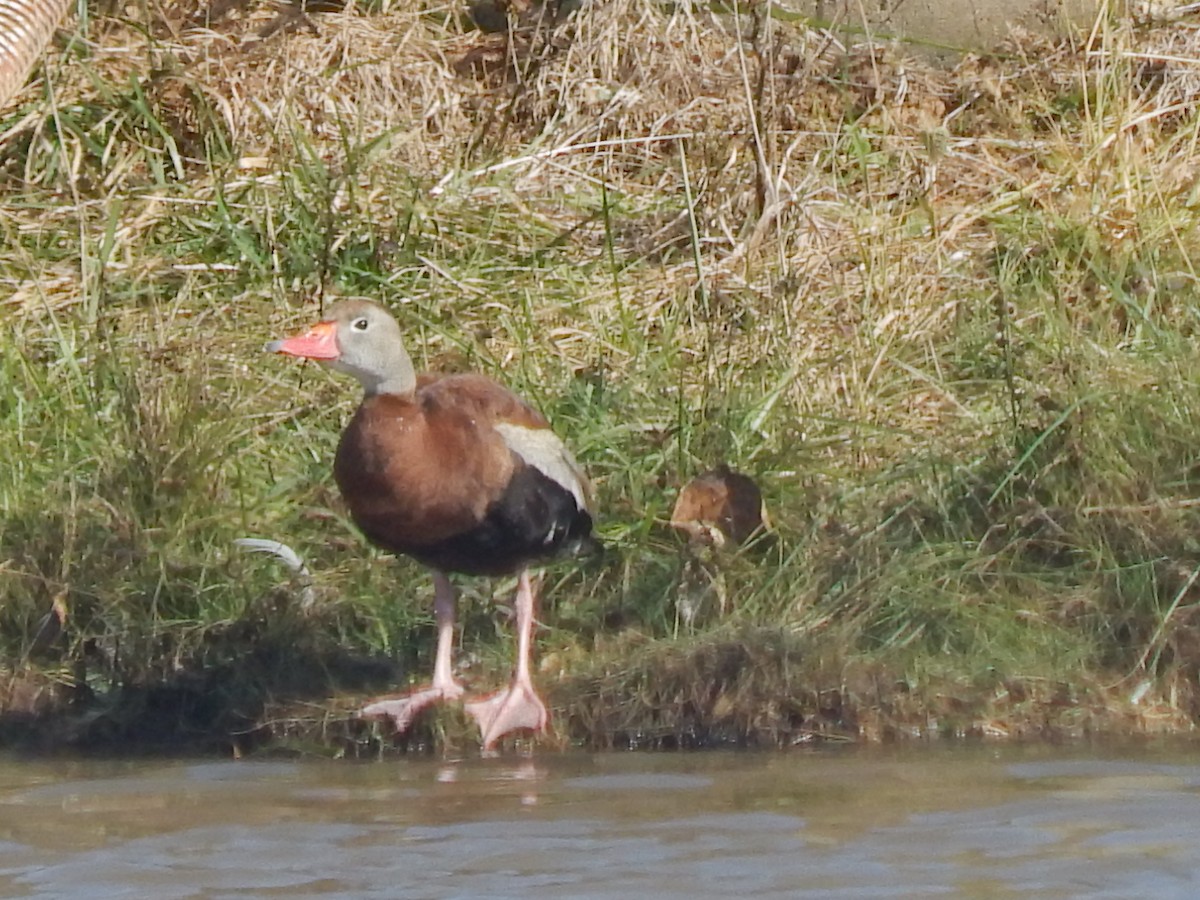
(517, 706)
(404, 709)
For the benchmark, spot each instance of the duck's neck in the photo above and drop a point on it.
(402, 383)
(393, 375)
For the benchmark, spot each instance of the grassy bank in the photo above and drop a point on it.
(945, 316)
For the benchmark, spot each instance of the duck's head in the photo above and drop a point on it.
(361, 339)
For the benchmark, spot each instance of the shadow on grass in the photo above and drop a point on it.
(221, 697)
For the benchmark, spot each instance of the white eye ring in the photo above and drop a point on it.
(360, 324)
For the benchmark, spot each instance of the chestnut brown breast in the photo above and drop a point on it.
(431, 476)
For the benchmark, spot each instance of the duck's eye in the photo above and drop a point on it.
(360, 324)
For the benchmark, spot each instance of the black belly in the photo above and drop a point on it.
(534, 519)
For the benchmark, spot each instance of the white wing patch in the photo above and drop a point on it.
(545, 451)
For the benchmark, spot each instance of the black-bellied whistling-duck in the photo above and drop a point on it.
(719, 510)
(720, 506)
(458, 473)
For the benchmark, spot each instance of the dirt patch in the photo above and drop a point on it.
(973, 25)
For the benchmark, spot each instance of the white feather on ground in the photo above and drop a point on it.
(289, 558)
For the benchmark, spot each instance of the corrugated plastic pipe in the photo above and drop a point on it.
(26, 27)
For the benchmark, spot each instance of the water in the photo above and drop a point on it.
(853, 823)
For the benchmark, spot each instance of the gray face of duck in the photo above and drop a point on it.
(361, 339)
